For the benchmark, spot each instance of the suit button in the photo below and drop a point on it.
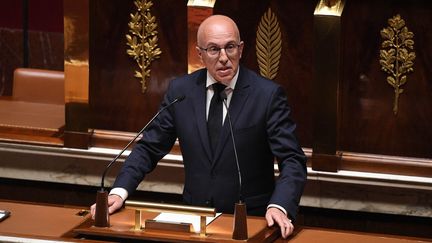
(207, 202)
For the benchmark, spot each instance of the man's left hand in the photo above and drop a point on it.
(274, 215)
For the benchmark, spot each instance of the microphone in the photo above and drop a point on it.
(224, 97)
(240, 214)
(101, 214)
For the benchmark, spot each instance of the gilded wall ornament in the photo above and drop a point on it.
(395, 57)
(268, 45)
(143, 40)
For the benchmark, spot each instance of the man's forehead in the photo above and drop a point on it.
(218, 28)
(220, 36)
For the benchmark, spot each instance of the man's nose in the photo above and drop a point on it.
(223, 57)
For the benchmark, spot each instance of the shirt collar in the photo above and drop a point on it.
(210, 80)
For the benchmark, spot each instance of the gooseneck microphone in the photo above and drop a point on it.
(101, 214)
(240, 231)
(224, 97)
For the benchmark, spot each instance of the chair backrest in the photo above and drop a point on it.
(38, 85)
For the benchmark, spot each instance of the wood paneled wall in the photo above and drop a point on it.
(368, 124)
(116, 100)
(362, 113)
(361, 119)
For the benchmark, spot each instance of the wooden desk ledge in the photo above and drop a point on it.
(319, 235)
(40, 221)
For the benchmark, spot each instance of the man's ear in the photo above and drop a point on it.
(241, 48)
(199, 53)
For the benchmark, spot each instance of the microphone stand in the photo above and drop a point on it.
(101, 212)
(240, 231)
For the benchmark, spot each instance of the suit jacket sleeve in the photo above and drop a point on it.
(290, 157)
(155, 143)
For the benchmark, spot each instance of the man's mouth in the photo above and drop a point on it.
(224, 70)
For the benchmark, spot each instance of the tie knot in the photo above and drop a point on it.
(218, 88)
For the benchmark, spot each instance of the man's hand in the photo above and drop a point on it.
(115, 202)
(275, 215)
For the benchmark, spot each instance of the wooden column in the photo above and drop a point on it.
(327, 28)
(76, 68)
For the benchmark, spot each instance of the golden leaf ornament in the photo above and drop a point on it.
(396, 57)
(268, 45)
(142, 40)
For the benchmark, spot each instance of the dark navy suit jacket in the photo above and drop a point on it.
(263, 132)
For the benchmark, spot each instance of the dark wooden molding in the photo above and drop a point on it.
(80, 140)
(375, 163)
(31, 135)
(77, 133)
(110, 139)
(118, 139)
(325, 162)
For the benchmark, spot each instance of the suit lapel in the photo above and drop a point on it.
(239, 97)
(199, 94)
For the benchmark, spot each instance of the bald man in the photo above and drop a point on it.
(262, 127)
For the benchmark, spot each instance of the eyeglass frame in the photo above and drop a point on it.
(219, 49)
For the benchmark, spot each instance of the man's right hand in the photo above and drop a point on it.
(115, 202)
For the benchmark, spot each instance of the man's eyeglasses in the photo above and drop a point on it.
(230, 49)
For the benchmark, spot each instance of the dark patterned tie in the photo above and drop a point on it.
(214, 121)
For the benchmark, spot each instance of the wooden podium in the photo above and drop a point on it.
(66, 224)
(219, 230)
